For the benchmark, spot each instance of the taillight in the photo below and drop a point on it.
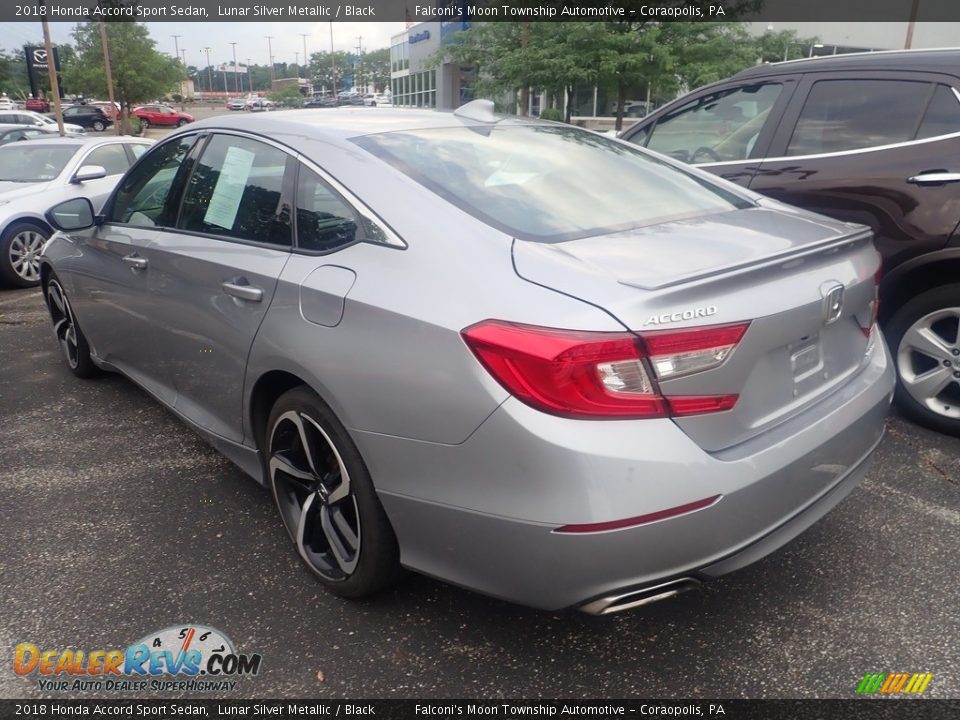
(874, 309)
(586, 374)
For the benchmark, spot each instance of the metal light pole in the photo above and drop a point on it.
(236, 75)
(333, 61)
(296, 61)
(273, 72)
(209, 74)
(249, 77)
(306, 60)
(176, 49)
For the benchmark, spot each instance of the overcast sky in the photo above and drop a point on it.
(249, 36)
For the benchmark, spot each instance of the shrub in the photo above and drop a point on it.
(552, 114)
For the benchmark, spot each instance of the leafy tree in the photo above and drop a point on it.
(784, 45)
(323, 65)
(140, 72)
(377, 67)
(288, 96)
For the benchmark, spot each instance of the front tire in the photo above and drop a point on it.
(144, 124)
(69, 336)
(924, 338)
(326, 498)
(20, 246)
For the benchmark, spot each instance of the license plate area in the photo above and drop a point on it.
(806, 363)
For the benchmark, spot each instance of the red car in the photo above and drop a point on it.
(161, 116)
(37, 105)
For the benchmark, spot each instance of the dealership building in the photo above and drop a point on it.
(416, 80)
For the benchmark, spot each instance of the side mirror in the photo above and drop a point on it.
(71, 215)
(89, 172)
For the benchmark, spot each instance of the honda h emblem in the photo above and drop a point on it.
(832, 304)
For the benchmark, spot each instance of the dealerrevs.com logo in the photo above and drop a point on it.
(178, 658)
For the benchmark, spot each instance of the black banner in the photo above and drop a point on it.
(37, 64)
(860, 709)
(478, 10)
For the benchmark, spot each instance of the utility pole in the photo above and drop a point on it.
(296, 61)
(236, 75)
(273, 72)
(306, 60)
(914, 7)
(186, 70)
(176, 50)
(249, 78)
(106, 66)
(358, 80)
(209, 75)
(333, 61)
(52, 74)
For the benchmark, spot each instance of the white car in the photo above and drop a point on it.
(6, 103)
(378, 100)
(29, 117)
(38, 174)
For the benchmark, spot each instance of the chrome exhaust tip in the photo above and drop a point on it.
(636, 598)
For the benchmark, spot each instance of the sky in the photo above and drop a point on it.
(249, 36)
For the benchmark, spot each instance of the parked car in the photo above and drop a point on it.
(13, 133)
(6, 103)
(349, 98)
(111, 110)
(36, 104)
(87, 116)
(578, 375)
(871, 138)
(378, 99)
(161, 116)
(260, 105)
(236, 104)
(37, 174)
(34, 119)
(321, 101)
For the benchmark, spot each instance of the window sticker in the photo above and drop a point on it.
(225, 201)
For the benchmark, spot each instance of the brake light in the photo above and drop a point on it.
(593, 375)
(874, 304)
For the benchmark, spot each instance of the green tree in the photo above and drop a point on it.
(140, 72)
(784, 45)
(288, 96)
(377, 67)
(323, 66)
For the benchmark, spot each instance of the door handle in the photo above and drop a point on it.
(244, 292)
(934, 178)
(136, 262)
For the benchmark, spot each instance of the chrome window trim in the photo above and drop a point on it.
(838, 153)
(392, 238)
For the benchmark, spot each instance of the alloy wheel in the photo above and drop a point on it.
(64, 326)
(25, 254)
(314, 494)
(928, 361)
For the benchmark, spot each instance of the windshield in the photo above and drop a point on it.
(30, 162)
(549, 183)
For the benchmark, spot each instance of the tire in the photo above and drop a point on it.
(144, 124)
(328, 506)
(20, 245)
(924, 339)
(98, 126)
(181, 123)
(72, 341)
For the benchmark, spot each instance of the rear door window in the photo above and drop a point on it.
(851, 114)
(236, 191)
(943, 114)
(720, 127)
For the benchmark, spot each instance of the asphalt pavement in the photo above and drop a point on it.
(117, 520)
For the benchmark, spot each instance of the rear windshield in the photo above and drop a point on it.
(549, 183)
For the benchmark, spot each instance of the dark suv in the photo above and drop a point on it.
(872, 138)
(88, 116)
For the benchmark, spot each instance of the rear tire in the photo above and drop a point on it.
(181, 123)
(72, 341)
(326, 498)
(98, 126)
(144, 124)
(924, 339)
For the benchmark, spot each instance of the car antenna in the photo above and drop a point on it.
(480, 110)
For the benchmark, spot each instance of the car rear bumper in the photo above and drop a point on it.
(485, 514)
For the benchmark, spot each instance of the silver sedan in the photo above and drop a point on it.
(515, 355)
(41, 172)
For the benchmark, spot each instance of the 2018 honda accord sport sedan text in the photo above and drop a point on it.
(515, 355)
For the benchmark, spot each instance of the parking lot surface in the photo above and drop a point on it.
(119, 521)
